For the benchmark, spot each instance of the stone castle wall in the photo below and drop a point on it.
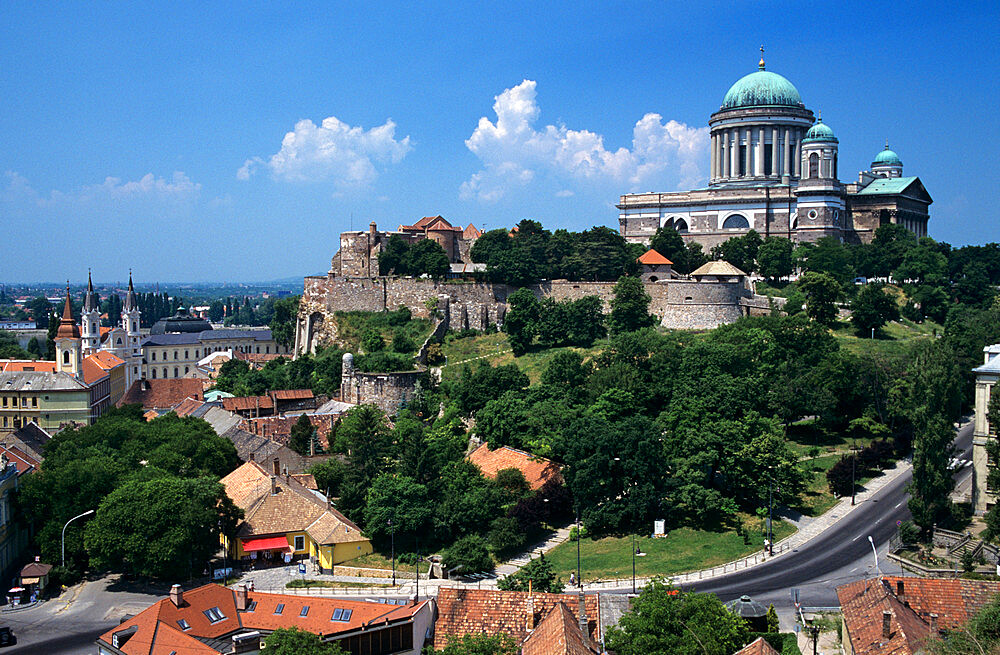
(681, 304)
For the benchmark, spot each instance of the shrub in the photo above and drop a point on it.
(575, 533)
(402, 343)
(372, 342)
(506, 536)
(401, 316)
(470, 554)
(383, 362)
(434, 354)
(839, 477)
(909, 533)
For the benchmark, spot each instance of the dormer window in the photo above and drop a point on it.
(183, 624)
(214, 615)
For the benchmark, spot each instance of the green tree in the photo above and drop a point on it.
(470, 554)
(566, 371)
(283, 320)
(165, 527)
(41, 310)
(932, 480)
(667, 621)
(630, 307)
(538, 572)
(521, 321)
(328, 475)
(481, 644)
(303, 439)
(871, 309)
(822, 292)
(34, 349)
(401, 500)
(993, 452)
(372, 342)
(773, 624)
(427, 257)
(488, 245)
(393, 257)
(294, 641)
(741, 251)
(216, 311)
(9, 347)
(774, 258)
(668, 242)
(364, 435)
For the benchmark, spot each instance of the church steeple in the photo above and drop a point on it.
(68, 329)
(89, 302)
(130, 302)
(91, 319)
(68, 358)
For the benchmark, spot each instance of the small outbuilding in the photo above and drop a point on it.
(655, 267)
(35, 575)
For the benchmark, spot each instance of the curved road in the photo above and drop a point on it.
(838, 555)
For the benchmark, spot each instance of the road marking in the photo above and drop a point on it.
(856, 538)
(898, 504)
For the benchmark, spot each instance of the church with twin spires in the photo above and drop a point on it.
(774, 169)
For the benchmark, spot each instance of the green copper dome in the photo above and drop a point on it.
(819, 132)
(887, 158)
(762, 89)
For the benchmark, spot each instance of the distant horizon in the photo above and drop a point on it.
(192, 145)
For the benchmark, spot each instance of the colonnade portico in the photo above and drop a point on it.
(747, 146)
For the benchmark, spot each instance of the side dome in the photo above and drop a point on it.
(762, 89)
(819, 132)
(887, 158)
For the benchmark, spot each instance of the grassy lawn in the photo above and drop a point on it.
(684, 549)
(817, 498)
(372, 561)
(896, 340)
(497, 351)
(351, 326)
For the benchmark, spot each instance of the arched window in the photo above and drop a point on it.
(65, 357)
(165, 372)
(119, 341)
(153, 371)
(175, 372)
(813, 166)
(681, 225)
(736, 222)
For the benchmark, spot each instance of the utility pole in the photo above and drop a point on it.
(579, 579)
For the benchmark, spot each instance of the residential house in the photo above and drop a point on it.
(537, 470)
(161, 396)
(13, 535)
(104, 372)
(277, 401)
(251, 447)
(50, 400)
(519, 614)
(282, 518)
(897, 615)
(30, 439)
(215, 620)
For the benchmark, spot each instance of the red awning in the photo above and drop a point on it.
(265, 543)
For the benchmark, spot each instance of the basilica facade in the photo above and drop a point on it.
(774, 169)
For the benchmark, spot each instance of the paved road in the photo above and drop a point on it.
(839, 555)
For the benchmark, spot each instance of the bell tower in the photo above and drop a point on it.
(91, 319)
(68, 356)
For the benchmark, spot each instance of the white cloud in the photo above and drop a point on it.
(178, 188)
(564, 193)
(332, 150)
(513, 151)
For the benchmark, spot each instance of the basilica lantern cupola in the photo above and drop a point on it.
(887, 164)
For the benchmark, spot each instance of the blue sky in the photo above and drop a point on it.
(235, 141)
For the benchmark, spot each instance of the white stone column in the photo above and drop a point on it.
(711, 168)
(734, 152)
(786, 168)
(774, 153)
(798, 154)
(725, 154)
(758, 153)
(747, 170)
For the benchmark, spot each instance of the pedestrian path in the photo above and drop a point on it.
(512, 565)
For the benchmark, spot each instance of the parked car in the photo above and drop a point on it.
(7, 637)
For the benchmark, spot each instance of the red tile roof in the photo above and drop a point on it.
(757, 647)
(910, 602)
(246, 403)
(19, 365)
(24, 462)
(653, 258)
(158, 631)
(491, 611)
(471, 232)
(188, 406)
(537, 470)
(106, 360)
(91, 371)
(291, 394)
(435, 223)
(559, 634)
(162, 394)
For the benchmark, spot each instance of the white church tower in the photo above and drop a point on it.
(91, 320)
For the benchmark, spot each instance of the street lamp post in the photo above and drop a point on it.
(579, 580)
(770, 503)
(854, 460)
(87, 513)
(392, 533)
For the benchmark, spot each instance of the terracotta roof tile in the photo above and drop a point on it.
(559, 634)
(757, 647)
(23, 461)
(20, 365)
(188, 406)
(491, 611)
(653, 258)
(291, 394)
(106, 360)
(910, 602)
(537, 470)
(162, 394)
(246, 403)
(318, 617)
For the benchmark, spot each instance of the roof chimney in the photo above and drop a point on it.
(246, 643)
(274, 485)
(250, 457)
(529, 611)
(176, 595)
(886, 629)
(241, 598)
(276, 466)
(933, 621)
(899, 591)
(583, 616)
